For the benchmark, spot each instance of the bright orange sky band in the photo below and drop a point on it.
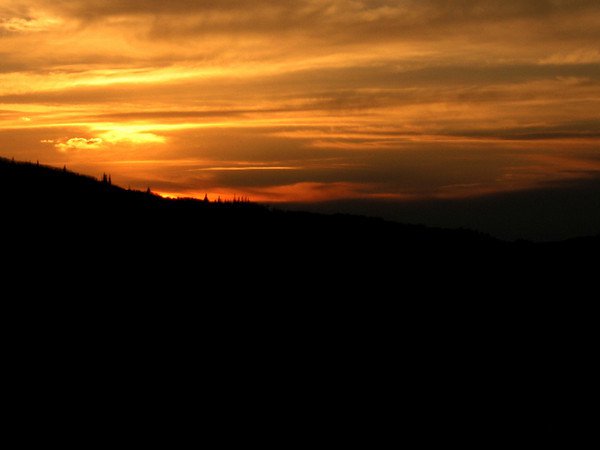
(305, 100)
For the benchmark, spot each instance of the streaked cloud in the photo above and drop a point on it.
(272, 98)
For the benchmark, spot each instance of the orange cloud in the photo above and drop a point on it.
(77, 144)
(276, 99)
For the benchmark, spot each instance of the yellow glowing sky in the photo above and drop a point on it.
(305, 100)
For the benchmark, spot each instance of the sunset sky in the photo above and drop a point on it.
(305, 100)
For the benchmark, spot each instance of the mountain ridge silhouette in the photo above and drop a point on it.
(29, 186)
(113, 265)
(50, 211)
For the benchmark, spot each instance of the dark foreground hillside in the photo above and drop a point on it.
(39, 200)
(86, 263)
(51, 214)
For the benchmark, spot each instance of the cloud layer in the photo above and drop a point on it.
(307, 99)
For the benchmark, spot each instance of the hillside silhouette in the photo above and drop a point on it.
(49, 211)
(92, 267)
(34, 191)
(139, 289)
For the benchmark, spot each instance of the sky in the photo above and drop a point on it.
(306, 100)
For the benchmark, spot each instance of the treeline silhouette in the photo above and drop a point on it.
(48, 211)
(93, 267)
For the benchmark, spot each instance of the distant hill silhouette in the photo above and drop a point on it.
(48, 211)
(100, 270)
(34, 190)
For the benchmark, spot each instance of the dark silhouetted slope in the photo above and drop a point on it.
(49, 212)
(86, 259)
(38, 198)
